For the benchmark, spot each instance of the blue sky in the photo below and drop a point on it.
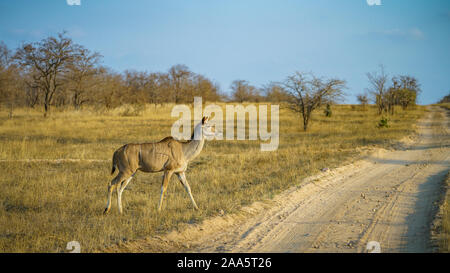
(255, 40)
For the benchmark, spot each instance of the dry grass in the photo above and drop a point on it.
(45, 204)
(445, 105)
(444, 221)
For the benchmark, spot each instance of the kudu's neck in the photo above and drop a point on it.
(193, 147)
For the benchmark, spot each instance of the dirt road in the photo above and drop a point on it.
(389, 197)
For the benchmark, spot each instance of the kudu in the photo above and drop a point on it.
(169, 155)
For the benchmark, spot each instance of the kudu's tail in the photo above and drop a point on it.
(114, 163)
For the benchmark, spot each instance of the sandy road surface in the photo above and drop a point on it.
(389, 197)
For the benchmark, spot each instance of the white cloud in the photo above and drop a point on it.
(416, 34)
(395, 33)
(76, 32)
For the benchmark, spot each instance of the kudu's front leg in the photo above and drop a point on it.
(183, 180)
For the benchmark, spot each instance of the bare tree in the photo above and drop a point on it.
(46, 61)
(239, 90)
(31, 94)
(109, 91)
(242, 91)
(5, 55)
(55, 71)
(11, 84)
(363, 99)
(205, 88)
(275, 92)
(378, 87)
(308, 92)
(178, 76)
(81, 72)
(5, 73)
(152, 88)
(136, 83)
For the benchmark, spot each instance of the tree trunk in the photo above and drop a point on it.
(11, 110)
(46, 109)
(305, 121)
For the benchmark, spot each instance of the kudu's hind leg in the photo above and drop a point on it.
(114, 184)
(165, 182)
(108, 203)
(183, 180)
(120, 189)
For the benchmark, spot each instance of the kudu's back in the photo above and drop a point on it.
(148, 157)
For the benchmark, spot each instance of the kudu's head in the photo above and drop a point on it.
(203, 129)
